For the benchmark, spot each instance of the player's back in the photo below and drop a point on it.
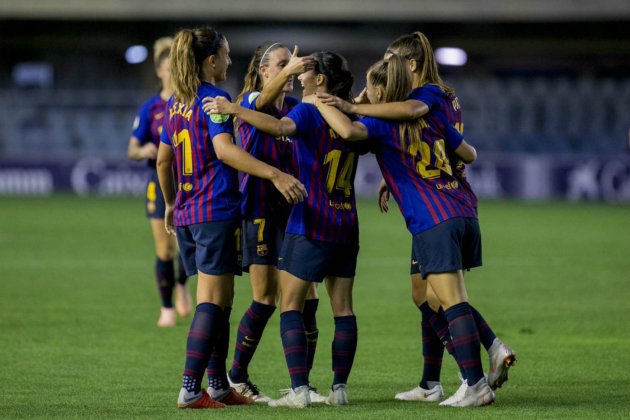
(419, 173)
(327, 166)
(207, 187)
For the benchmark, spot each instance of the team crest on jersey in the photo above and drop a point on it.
(219, 118)
(252, 96)
(262, 250)
(136, 122)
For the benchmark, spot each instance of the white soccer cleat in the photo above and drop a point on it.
(457, 396)
(316, 398)
(501, 359)
(248, 389)
(295, 398)
(478, 395)
(420, 394)
(338, 395)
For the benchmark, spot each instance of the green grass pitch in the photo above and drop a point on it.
(78, 308)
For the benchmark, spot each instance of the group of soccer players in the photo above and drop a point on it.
(293, 223)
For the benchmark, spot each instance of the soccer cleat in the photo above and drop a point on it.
(501, 359)
(167, 317)
(250, 390)
(458, 395)
(420, 394)
(338, 395)
(316, 398)
(478, 395)
(183, 301)
(295, 398)
(232, 397)
(197, 401)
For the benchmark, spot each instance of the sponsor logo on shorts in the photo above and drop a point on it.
(151, 207)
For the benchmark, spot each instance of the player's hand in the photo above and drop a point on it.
(298, 65)
(149, 151)
(168, 220)
(362, 98)
(383, 195)
(217, 105)
(291, 188)
(328, 99)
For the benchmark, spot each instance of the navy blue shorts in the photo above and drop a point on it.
(454, 244)
(155, 205)
(212, 248)
(312, 260)
(262, 240)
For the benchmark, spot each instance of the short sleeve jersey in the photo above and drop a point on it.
(260, 197)
(147, 126)
(420, 176)
(327, 166)
(207, 187)
(446, 106)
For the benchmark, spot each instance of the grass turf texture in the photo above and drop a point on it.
(78, 308)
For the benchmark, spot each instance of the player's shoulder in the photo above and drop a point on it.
(207, 89)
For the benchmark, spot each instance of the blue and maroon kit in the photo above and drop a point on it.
(260, 197)
(207, 187)
(207, 206)
(443, 105)
(147, 128)
(323, 231)
(265, 211)
(426, 188)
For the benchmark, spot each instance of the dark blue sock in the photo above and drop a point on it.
(294, 344)
(486, 335)
(181, 271)
(440, 326)
(217, 376)
(165, 278)
(250, 330)
(465, 337)
(432, 348)
(344, 347)
(310, 326)
(205, 328)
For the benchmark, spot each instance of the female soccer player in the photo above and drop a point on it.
(269, 77)
(439, 209)
(322, 233)
(143, 144)
(430, 94)
(205, 213)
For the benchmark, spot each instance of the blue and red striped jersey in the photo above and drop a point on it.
(438, 100)
(207, 188)
(447, 106)
(327, 165)
(147, 126)
(420, 176)
(260, 197)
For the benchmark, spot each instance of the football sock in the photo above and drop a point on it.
(294, 344)
(440, 326)
(217, 376)
(201, 339)
(310, 327)
(486, 335)
(465, 338)
(344, 347)
(165, 278)
(248, 335)
(432, 348)
(181, 271)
